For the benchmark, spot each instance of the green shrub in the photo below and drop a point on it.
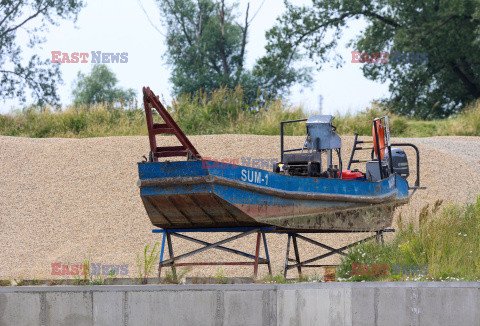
(446, 240)
(226, 111)
(223, 111)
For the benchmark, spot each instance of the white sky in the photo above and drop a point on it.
(121, 26)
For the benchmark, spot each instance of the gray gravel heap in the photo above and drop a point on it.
(68, 200)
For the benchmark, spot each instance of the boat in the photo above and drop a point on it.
(298, 194)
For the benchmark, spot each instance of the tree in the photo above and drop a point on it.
(99, 87)
(32, 17)
(206, 48)
(445, 30)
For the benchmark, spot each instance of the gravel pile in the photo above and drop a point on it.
(68, 200)
(468, 148)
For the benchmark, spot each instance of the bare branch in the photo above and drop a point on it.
(220, 45)
(214, 66)
(256, 12)
(386, 20)
(11, 12)
(182, 23)
(244, 42)
(23, 77)
(149, 20)
(24, 22)
(170, 40)
(469, 85)
(449, 19)
(300, 40)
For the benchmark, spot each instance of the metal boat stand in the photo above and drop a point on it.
(298, 264)
(173, 260)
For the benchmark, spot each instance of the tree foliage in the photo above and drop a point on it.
(448, 31)
(31, 17)
(99, 87)
(207, 47)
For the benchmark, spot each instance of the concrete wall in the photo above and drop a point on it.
(419, 303)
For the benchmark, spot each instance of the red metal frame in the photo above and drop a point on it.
(173, 260)
(150, 100)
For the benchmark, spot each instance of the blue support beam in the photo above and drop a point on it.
(244, 231)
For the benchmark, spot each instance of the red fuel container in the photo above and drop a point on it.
(347, 174)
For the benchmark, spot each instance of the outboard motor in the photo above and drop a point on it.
(399, 161)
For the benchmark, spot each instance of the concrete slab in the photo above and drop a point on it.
(249, 308)
(171, 308)
(69, 308)
(442, 306)
(108, 308)
(395, 303)
(393, 307)
(311, 307)
(362, 306)
(20, 309)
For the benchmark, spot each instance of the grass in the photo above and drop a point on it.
(146, 262)
(466, 123)
(223, 112)
(5, 283)
(446, 240)
(81, 122)
(280, 279)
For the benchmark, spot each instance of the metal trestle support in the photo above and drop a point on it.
(298, 264)
(244, 231)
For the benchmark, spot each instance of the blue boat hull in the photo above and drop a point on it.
(202, 194)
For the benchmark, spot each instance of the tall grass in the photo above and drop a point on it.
(223, 111)
(466, 123)
(226, 111)
(85, 121)
(446, 240)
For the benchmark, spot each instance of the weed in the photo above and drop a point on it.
(55, 282)
(112, 275)
(446, 240)
(97, 281)
(5, 283)
(220, 276)
(277, 278)
(146, 262)
(177, 277)
(85, 276)
(19, 282)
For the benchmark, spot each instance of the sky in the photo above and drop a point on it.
(122, 26)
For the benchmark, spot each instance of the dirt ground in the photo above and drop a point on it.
(68, 200)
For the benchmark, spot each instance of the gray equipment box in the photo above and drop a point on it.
(373, 171)
(302, 157)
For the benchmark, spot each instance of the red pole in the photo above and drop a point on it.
(149, 118)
